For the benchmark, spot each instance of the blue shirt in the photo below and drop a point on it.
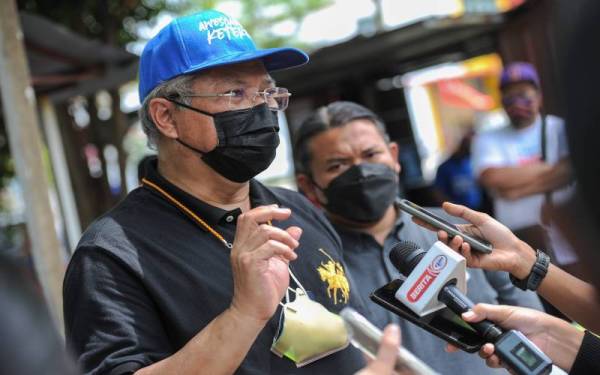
(455, 179)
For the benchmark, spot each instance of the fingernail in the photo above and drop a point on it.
(468, 315)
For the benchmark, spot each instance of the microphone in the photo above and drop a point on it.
(436, 279)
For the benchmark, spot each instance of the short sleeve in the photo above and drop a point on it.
(111, 323)
(486, 152)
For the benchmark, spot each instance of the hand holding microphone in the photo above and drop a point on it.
(555, 337)
(435, 279)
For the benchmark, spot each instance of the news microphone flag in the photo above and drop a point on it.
(439, 266)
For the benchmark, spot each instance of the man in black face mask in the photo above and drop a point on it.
(346, 164)
(188, 274)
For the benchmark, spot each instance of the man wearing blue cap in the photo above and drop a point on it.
(202, 269)
(525, 160)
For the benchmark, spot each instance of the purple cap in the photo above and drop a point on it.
(519, 72)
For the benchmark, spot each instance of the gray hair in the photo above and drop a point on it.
(331, 116)
(177, 88)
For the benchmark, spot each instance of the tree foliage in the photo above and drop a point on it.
(260, 16)
(110, 21)
(116, 22)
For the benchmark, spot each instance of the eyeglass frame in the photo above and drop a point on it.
(231, 94)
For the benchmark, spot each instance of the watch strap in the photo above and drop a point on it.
(537, 274)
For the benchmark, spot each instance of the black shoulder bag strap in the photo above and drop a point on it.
(548, 194)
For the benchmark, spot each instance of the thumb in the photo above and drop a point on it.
(483, 311)
(388, 351)
(473, 217)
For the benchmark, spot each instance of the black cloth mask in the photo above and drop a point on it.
(362, 193)
(248, 139)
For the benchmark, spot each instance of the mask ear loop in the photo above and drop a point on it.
(288, 290)
(296, 280)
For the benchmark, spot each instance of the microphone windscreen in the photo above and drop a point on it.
(405, 255)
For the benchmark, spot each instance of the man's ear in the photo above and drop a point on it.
(395, 151)
(306, 186)
(161, 112)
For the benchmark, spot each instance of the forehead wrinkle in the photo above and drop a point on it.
(336, 152)
(239, 69)
(236, 78)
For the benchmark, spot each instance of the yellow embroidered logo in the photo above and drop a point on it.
(332, 272)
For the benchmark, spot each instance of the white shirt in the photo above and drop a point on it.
(511, 147)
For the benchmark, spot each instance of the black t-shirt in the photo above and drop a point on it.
(145, 279)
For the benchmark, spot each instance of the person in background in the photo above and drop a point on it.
(346, 164)
(454, 180)
(509, 162)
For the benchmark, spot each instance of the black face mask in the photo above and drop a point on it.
(362, 193)
(247, 138)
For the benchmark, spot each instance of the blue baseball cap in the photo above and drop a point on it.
(201, 41)
(519, 72)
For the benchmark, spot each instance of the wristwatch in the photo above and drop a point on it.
(537, 274)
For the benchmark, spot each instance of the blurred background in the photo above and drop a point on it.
(429, 68)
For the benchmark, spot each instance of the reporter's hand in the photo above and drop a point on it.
(509, 253)
(555, 337)
(259, 261)
(387, 354)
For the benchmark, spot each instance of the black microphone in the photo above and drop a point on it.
(406, 255)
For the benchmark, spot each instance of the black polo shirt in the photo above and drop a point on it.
(145, 279)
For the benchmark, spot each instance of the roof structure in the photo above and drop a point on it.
(64, 64)
(422, 43)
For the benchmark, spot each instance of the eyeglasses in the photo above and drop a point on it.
(277, 98)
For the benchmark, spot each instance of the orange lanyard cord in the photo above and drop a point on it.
(203, 223)
(189, 212)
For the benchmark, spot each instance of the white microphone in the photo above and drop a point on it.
(427, 273)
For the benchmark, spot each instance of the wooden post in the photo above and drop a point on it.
(61, 173)
(18, 100)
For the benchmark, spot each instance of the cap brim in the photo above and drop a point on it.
(273, 59)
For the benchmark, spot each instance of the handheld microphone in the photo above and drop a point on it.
(436, 278)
